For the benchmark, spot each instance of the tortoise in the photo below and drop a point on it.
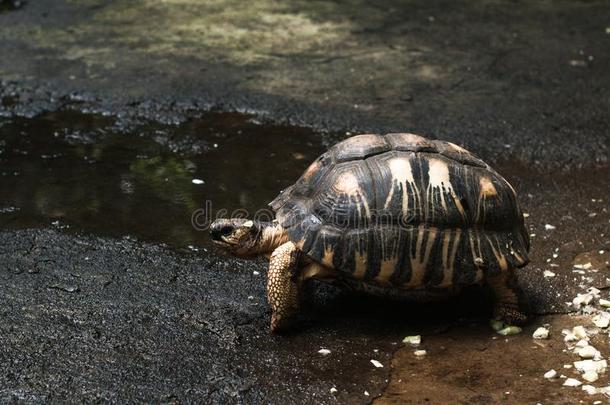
(393, 215)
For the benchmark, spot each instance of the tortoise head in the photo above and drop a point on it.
(238, 236)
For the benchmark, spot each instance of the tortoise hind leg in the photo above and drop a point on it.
(507, 305)
(283, 286)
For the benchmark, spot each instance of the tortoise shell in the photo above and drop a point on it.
(402, 210)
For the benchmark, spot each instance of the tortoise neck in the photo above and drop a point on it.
(271, 237)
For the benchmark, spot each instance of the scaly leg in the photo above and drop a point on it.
(507, 300)
(283, 285)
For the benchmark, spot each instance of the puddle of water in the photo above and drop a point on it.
(82, 172)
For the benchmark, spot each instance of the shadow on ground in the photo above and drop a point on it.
(101, 319)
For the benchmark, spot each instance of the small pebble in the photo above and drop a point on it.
(594, 291)
(541, 333)
(591, 390)
(577, 63)
(324, 352)
(582, 299)
(419, 353)
(570, 337)
(366, 393)
(571, 382)
(579, 332)
(256, 273)
(582, 343)
(377, 364)
(550, 374)
(197, 181)
(549, 227)
(601, 321)
(548, 273)
(333, 390)
(590, 376)
(587, 352)
(591, 365)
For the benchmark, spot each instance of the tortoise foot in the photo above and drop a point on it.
(509, 315)
(280, 323)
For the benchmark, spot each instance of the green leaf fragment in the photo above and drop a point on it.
(509, 330)
(412, 340)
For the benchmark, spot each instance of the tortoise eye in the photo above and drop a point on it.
(226, 230)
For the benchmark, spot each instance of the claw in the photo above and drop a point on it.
(279, 324)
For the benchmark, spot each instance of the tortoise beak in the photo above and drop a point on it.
(219, 231)
(215, 234)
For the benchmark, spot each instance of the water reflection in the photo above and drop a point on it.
(84, 171)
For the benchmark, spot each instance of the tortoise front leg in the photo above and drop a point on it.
(283, 285)
(507, 308)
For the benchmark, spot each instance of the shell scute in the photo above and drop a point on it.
(457, 153)
(327, 246)
(345, 197)
(360, 147)
(410, 142)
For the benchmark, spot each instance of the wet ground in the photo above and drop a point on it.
(86, 172)
(470, 365)
(112, 135)
(127, 301)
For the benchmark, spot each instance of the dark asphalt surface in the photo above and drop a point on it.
(532, 76)
(88, 319)
(524, 86)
